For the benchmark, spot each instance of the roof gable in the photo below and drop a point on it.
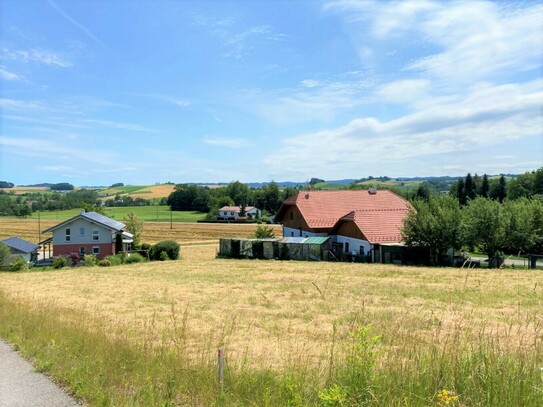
(379, 226)
(322, 209)
(236, 208)
(94, 218)
(20, 244)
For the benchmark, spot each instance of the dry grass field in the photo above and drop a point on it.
(183, 233)
(154, 191)
(276, 314)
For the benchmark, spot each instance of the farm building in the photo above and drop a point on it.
(309, 248)
(234, 213)
(361, 224)
(20, 248)
(89, 233)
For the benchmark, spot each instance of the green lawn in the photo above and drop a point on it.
(147, 213)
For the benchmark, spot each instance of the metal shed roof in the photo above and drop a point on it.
(305, 240)
(20, 244)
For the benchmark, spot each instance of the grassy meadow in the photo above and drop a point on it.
(156, 213)
(294, 333)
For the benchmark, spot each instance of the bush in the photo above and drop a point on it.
(60, 262)
(135, 258)
(89, 260)
(170, 247)
(19, 264)
(264, 232)
(104, 263)
(164, 256)
(145, 246)
(115, 260)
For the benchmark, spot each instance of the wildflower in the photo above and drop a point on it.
(446, 397)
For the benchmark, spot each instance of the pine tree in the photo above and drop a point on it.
(469, 188)
(485, 187)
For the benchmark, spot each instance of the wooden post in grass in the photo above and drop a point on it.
(220, 355)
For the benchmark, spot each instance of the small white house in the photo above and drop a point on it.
(233, 213)
(20, 248)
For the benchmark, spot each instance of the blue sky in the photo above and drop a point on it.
(140, 92)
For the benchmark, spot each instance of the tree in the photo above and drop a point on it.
(435, 224)
(240, 193)
(264, 232)
(483, 225)
(517, 223)
(485, 187)
(4, 253)
(461, 192)
(469, 188)
(423, 192)
(498, 190)
(134, 224)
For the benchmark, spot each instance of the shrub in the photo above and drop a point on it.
(19, 264)
(135, 258)
(114, 260)
(145, 246)
(89, 260)
(264, 232)
(104, 263)
(60, 262)
(169, 246)
(164, 256)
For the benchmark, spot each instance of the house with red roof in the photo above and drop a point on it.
(360, 223)
(89, 233)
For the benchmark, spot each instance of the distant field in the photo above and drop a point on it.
(148, 213)
(139, 191)
(400, 185)
(24, 190)
(184, 233)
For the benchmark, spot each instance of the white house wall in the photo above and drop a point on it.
(354, 244)
(291, 232)
(104, 234)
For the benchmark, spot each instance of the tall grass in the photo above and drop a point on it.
(108, 366)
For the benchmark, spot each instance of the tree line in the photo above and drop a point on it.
(442, 223)
(188, 197)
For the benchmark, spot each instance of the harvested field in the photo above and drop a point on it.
(439, 328)
(183, 233)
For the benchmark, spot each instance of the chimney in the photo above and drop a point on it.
(306, 196)
(372, 190)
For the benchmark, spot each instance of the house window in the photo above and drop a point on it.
(95, 250)
(68, 235)
(81, 231)
(225, 213)
(231, 213)
(346, 247)
(82, 250)
(95, 234)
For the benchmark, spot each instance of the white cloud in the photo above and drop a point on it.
(9, 76)
(37, 55)
(463, 41)
(315, 100)
(487, 116)
(228, 142)
(120, 125)
(14, 104)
